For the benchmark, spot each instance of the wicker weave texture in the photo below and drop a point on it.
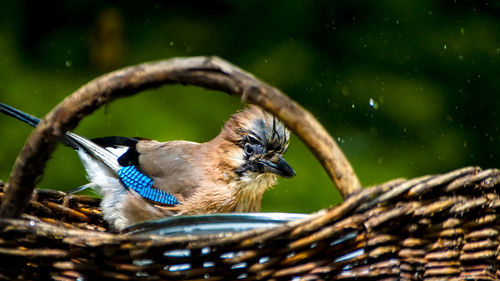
(429, 228)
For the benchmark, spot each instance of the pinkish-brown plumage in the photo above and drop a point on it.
(208, 177)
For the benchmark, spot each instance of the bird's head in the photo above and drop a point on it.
(258, 141)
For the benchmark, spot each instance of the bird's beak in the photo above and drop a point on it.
(280, 167)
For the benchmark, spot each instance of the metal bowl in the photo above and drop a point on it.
(211, 224)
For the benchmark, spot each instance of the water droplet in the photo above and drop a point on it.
(353, 106)
(373, 104)
(69, 63)
(445, 47)
(32, 223)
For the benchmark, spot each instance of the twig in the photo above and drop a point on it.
(209, 72)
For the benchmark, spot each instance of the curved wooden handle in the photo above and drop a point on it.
(209, 72)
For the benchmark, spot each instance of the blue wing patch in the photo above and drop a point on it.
(143, 185)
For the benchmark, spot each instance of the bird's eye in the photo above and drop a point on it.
(249, 150)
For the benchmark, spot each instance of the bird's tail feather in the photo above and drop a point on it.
(25, 117)
(73, 140)
(98, 152)
(31, 120)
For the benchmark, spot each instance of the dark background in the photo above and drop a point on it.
(407, 88)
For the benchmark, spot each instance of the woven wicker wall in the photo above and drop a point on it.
(442, 227)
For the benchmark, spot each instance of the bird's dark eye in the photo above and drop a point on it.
(249, 150)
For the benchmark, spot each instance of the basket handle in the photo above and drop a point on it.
(208, 72)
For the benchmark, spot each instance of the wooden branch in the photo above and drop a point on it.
(209, 72)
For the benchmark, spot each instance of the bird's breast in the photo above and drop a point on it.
(248, 192)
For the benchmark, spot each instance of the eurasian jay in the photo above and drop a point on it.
(141, 179)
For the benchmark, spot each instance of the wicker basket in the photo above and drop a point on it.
(428, 228)
(437, 227)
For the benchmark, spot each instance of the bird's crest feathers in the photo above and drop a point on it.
(256, 126)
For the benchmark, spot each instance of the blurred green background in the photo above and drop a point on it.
(406, 87)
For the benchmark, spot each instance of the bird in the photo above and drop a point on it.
(140, 179)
